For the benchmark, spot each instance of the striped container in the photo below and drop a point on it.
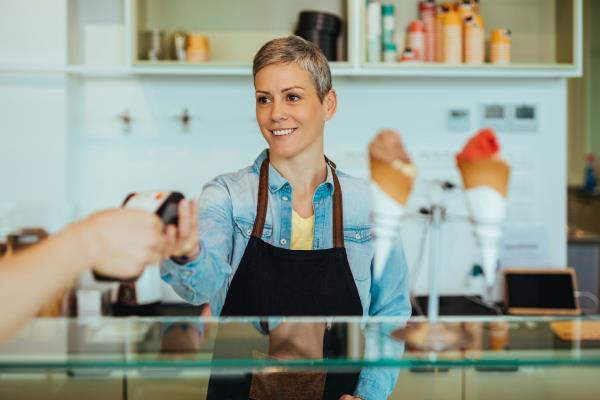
(427, 12)
(500, 44)
(439, 31)
(452, 38)
(415, 39)
(474, 40)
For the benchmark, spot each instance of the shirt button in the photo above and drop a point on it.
(357, 236)
(285, 198)
(249, 231)
(283, 242)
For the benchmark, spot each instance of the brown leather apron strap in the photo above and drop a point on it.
(338, 211)
(263, 199)
(261, 207)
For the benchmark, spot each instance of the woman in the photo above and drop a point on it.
(288, 235)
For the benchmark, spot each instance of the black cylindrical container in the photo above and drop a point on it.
(322, 29)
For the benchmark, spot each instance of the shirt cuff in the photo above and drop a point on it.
(368, 389)
(182, 260)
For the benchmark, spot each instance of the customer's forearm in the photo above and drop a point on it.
(30, 278)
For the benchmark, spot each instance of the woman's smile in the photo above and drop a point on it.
(283, 132)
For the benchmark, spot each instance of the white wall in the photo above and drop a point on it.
(33, 113)
(33, 32)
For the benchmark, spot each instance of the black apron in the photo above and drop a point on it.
(272, 281)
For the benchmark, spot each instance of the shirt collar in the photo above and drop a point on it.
(276, 181)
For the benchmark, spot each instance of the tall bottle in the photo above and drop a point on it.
(427, 14)
(474, 40)
(415, 39)
(439, 31)
(389, 30)
(590, 179)
(388, 23)
(374, 31)
(452, 37)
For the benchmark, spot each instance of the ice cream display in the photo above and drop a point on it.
(392, 179)
(485, 177)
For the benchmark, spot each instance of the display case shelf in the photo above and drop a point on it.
(501, 341)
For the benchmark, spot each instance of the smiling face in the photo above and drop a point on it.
(290, 115)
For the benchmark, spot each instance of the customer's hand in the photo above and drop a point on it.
(121, 242)
(182, 241)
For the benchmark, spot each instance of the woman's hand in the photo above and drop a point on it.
(182, 241)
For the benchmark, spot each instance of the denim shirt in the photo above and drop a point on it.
(227, 209)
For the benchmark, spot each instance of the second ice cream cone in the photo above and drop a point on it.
(493, 172)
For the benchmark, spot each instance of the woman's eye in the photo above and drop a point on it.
(262, 100)
(293, 97)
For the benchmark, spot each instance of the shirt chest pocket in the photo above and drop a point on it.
(359, 248)
(243, 227)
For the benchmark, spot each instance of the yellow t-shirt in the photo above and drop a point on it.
(302, 232)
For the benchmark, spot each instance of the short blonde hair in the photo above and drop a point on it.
(305, 54)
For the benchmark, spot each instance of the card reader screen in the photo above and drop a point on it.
(540, 291)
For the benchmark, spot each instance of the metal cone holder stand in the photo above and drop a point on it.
(433, 334)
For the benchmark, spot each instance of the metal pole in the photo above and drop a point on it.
(435, 250)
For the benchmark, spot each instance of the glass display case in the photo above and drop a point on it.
(504, 357)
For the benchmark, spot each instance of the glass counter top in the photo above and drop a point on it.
(177, 343)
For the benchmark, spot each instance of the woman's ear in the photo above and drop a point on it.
(330, 104)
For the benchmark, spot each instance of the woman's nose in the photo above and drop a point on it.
(278, 111)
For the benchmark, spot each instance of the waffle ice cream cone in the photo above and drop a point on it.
(392, 180)
(395, 178)
(492, 172)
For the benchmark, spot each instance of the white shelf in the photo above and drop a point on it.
(26, 69)
(337, 69)
(108, 71)
(343, 70)
(180, 69)
(470, 71)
